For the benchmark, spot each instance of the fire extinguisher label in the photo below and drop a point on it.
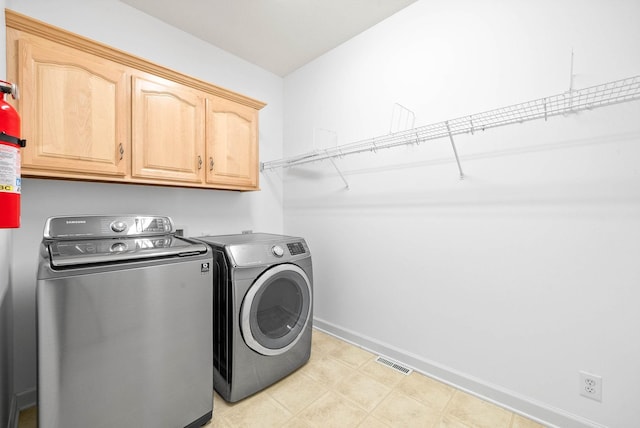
(10, 181)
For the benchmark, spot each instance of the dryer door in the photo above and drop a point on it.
(276, 309)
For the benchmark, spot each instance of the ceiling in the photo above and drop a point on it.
(277, 35)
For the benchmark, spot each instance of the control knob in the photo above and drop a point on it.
(277, 251)
(118, 226)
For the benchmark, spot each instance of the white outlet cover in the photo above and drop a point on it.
(590, 386)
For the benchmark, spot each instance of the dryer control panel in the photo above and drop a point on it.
(255, 249)
(296, 248)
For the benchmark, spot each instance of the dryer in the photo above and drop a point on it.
(263, 308)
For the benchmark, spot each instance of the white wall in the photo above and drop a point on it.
(201, 211)
(512, 280)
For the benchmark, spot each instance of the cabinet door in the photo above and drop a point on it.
(232, 144)
(168, 131)
(74, 111)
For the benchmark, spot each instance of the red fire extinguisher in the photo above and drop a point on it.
(10, 144)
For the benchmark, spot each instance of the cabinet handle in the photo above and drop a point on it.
(210, 164)
(121, 150)
(199, 162)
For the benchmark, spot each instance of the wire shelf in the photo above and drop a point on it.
(615, 92)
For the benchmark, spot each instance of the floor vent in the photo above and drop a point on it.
(392, 364)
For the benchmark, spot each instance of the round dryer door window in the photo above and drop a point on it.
(276, 309)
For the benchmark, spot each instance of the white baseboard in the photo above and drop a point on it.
(27, 398)
(542, 413)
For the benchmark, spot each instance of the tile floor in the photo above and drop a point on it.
(343, 386)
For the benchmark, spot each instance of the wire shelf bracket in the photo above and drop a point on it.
(346, 183)
(453, 146)
(606, 94)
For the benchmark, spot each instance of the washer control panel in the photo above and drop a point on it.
(97, 226)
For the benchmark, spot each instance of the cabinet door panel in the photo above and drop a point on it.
(74, 110)
(168, 137)
(232, 144)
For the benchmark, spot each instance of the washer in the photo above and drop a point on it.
(124, 316)
(263, 309)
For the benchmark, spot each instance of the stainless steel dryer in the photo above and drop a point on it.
(124, 311)
(263, 308)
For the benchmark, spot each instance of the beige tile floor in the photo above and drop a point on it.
(343, 386)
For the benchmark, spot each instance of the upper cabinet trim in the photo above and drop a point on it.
(33, 26)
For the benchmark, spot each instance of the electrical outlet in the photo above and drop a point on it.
(591, 386)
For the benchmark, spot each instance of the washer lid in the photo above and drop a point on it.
(90, 239)
(69, 253)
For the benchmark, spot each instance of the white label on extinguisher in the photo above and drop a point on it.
(10, 181)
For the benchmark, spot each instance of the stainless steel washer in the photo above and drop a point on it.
(263, 310)
(124, 313)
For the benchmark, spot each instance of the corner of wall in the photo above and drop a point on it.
(12, 421)
(6, 332)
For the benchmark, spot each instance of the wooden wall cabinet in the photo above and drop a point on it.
(231, 143)
(73, 111)
(91, 112)
(168, 131)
